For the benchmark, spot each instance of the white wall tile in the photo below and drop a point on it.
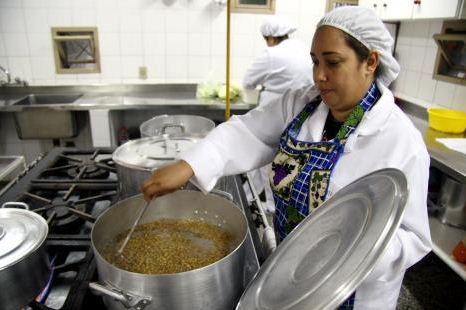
(154, 43)
(199, 21)
(218, 47)
(176, 67)
(153, 21)
(83, 4)
(131, 22)
(416, 58)
(2, 46)
(219, 21)
(59, 17)
(412, 83)
(199, 44)
(244, 23)
(176, 22)
(60, 4)
(200, 4)
(176, 4)
(111, 66)
(20, 67)
(459, 99)
(241, 45)
(36, 20)
(16, 44)
(198, 68)
(33, 3)
(420, 33)
(12, 20)
(177, 44)
(444, 93)
(108, 22)
(131, 44)
(426, 88)
(42, 68)
(429, 60)
(84, 18)
(155, 67)
(287, 6)
(10, 4)
(109, 44)
(405, 33)
(130, 66)
(40, 44)
(435, 26)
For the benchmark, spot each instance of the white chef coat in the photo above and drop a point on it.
(385, 138)
(285, 66)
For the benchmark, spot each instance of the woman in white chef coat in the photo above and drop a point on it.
(284, 65)
(323, 138)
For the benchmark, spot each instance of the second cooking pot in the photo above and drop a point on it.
(136, 159)
(176, 125)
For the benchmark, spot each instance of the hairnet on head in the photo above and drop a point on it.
(367, 28)
(275, 26)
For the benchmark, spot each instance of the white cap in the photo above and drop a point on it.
(275, 26)
(367, 28)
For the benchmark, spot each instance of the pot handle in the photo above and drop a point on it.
(224, 194)
(129, 301)
(16, 204)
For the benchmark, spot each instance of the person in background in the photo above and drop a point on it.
(283, 65)
(323, 137)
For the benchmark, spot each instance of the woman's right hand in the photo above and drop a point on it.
(167, 179)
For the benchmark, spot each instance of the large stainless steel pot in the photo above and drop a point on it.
(216, 286)
(452, 203)
(24, 265)
(176, 125)
(136, 159)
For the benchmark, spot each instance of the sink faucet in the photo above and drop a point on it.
(17, 80)
(7, 73)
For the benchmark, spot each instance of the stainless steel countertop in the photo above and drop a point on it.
(117, 97)
(449, 161)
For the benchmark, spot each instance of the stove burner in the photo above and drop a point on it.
(60, 216)
(91, 171)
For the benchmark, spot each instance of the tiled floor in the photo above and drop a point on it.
(432, 285)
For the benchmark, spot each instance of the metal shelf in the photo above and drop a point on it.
(444, 240)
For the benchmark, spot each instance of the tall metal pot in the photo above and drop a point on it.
(136, 159)
(24, 265)
(215, 287)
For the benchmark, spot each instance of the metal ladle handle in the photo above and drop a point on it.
(120, 250)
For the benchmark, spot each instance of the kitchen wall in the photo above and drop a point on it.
(416, 52)
(177, 40)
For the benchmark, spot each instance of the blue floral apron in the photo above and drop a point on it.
(301, 171)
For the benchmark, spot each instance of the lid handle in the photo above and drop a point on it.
(16, 204)
(165, 126)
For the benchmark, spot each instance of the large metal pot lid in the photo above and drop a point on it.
(21, 233)
(329, 254)
(152, 152)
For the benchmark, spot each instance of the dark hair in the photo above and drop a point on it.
(362, 52)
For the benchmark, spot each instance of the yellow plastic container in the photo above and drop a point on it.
(451, 121)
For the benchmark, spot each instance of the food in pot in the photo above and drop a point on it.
(169, 246)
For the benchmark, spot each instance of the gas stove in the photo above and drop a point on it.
(70, 188)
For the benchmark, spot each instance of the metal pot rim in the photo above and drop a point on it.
(165, 275)
(38, 243)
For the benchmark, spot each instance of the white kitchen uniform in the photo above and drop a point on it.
(287, 65)
(385, 138)
(280, 68)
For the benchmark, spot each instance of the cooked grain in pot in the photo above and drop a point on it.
(169, 246)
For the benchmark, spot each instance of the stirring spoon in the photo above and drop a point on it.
(120, 250)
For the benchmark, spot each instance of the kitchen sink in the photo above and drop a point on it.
(35, 122)
(38, 99)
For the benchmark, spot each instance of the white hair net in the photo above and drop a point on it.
(367, 28)
(275, 26)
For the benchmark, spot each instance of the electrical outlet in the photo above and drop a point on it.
(143, 73)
